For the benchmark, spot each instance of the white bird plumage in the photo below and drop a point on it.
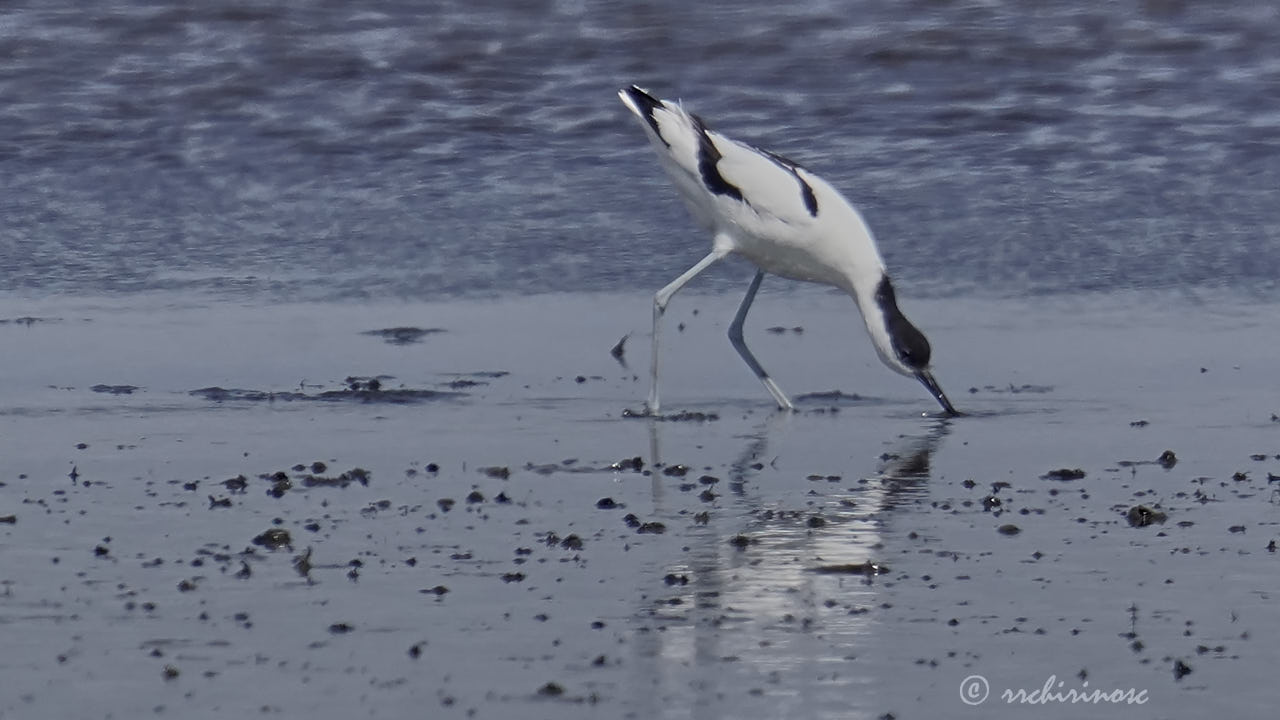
(785, 220)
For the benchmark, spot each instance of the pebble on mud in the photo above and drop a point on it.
(1009, 529)
(551, 690)
(1167, 459)
(273, 539)
(1142, 516)
(632, 463)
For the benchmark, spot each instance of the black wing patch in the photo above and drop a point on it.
(910, 345)
(649, 104)
(806, 191)
(708, 157)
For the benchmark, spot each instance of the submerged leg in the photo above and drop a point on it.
(739, 344)
(660, 300)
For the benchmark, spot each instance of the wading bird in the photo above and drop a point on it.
(785, 220)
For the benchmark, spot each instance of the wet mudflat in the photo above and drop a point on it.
(213, 511)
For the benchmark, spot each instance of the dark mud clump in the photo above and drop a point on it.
(552, 690)
(867, 569)
(1063, 474)
(355, 475)
(1013, 389)
(568, 466)
(643, 528)
(634, 463)
(402, 335)
(274, 539)
(1009, 529)
(1142, 516)
(682, 416)
(115, 389)
(27, 320)
(1166, 460)
(357, 389)
(829, 396)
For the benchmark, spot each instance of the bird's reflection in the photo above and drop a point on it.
(747, 580)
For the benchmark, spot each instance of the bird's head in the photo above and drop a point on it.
(900, 344)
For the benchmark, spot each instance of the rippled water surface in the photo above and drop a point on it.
(312, 150)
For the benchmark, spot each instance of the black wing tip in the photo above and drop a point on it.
(647, 105)
(642, 98)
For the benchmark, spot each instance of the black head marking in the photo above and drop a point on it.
(649, 104)
(910, 345)
(806, 190)
(708, 156)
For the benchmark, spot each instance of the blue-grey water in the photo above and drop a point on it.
(212, 213)
(306, 150)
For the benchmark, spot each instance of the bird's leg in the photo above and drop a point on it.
(739, 344)
(660, 300)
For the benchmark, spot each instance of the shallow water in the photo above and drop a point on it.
(722, 615)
